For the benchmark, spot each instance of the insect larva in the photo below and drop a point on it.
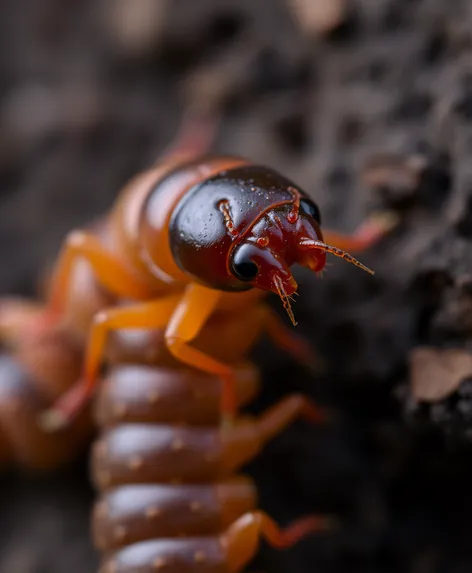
(176, 274)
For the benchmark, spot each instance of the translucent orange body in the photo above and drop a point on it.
(48, 343)
(134, 260)
(103, 269)
(126, 291)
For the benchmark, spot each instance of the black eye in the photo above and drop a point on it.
(245, 271)
(243, 268)
(308, 207)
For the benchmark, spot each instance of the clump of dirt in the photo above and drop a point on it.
(371, 111)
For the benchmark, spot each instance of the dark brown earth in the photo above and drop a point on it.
(81, 112)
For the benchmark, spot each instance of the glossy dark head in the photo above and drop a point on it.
(245, 228)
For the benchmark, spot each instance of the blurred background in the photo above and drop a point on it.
(366, 104)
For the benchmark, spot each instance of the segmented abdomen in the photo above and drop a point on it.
(42, 360)
(31, 378)
(164, 472)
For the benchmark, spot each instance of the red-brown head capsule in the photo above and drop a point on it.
(245, 227)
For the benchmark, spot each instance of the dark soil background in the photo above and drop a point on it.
(83, 108)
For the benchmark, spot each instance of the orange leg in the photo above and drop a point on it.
(149, 315)
(370, 232)
(189, 318)
(286, 339)
(266, 427)
(109, 270)
(242, 539)
(277, 418)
